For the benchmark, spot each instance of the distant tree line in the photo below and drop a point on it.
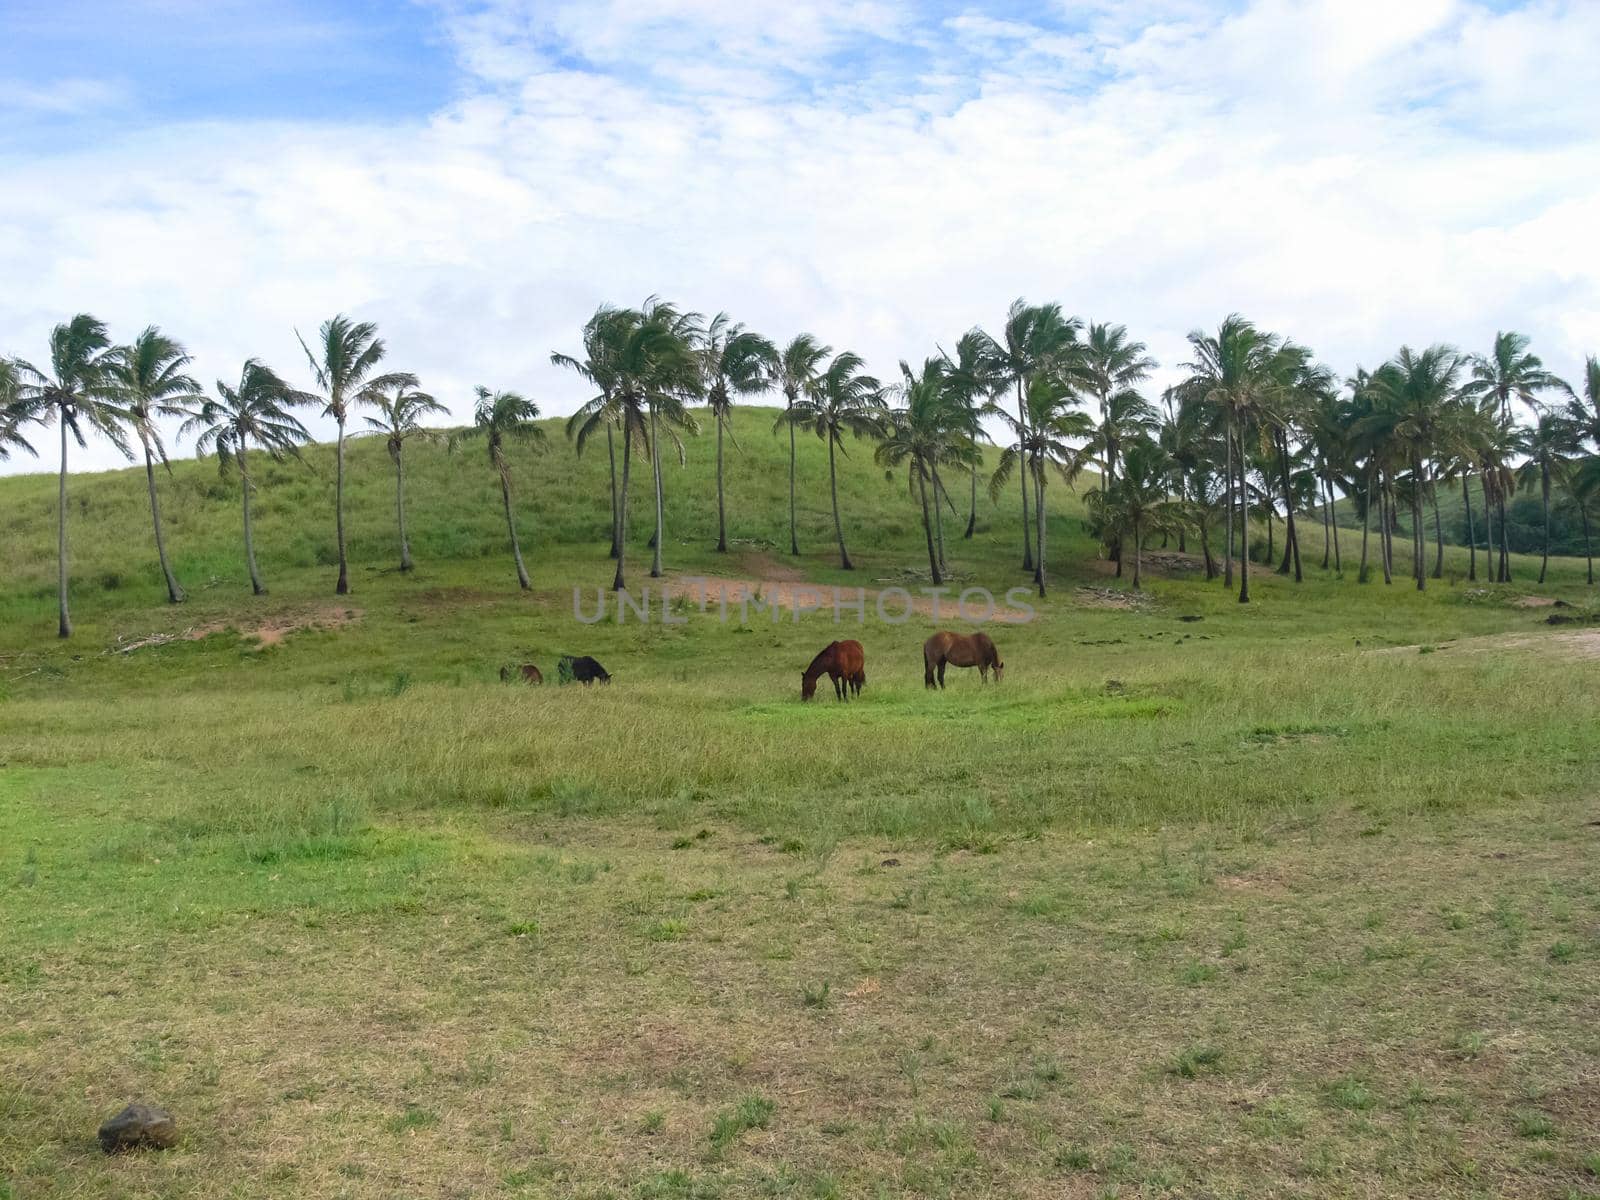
(1256, 431)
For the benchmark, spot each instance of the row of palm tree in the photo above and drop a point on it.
(1256, 430)
(120, 392)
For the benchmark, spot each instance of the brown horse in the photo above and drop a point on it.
(844, 662)
(959, 650)
(529, 673)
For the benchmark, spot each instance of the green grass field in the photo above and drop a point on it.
(1295, 899)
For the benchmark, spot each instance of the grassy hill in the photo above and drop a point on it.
(1293, 898)
(454, 510)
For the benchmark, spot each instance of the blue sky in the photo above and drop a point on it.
(88, 69)
(478, 175)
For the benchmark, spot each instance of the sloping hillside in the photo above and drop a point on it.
(454, 509)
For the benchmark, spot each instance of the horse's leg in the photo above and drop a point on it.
(927, 671)
(941, 673)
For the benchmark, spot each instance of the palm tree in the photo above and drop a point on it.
(1584, 411)
(1551, 446)
(1125, 417)
(399, 420)
(673, 379)
(1415, 394)
(11, 414)
(256, 411)
(733, 362)
(1110, 364)
(603, 336)
(1502, 440)
(929, 429)
(1035, 335)
(844, 400)
(1458, 449)
(1042, 442)
(1234, 374)
(77, 396)
(502, 418)
(346, 355)
(648, 364)
(149, 382)
(1138, 501)
(1508, 372)
(975, 376)
(796, 371)
(1327, 421)
(1585, 487)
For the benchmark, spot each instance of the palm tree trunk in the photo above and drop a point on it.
(61, 532)
(1338, 564)
(722, 515)
(1366, 525)
(1588, 553)
(972, 510)
(400, 511)
(1227, 557)
(611, 453)
(1505, 536)
(174, 592)
(1386, 527)
(1039, 516)
(1419, 538)
(1489, 564)
(655, 466)
(794, 544)
(938, 517)
(927, 526)
(1138, 559)
(1205, 549)
(1291, 536)
(1327, 522)
(618, 583)
(1472, 536)
(343, 586)
(1438, 530)
(1244, 531)
(838, 525)
(1022, 435)
(246, 487)
(511, 527)
(1544, 493)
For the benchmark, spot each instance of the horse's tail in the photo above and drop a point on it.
(927, 664)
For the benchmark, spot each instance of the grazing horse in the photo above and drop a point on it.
(959, 650)
(844, 662)
(583, 669)
(529, 673)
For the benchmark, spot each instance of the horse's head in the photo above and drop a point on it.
(999, 668)
(808, 687)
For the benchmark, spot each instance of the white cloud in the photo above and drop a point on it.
(1355, 175)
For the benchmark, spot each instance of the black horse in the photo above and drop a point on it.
(582, 669)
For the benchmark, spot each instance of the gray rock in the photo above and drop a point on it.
(139, 1127)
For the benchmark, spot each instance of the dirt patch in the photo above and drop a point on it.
(1255, 883)
(1535, 602)
(1580, 644)
(273, 630)
(1096, 597)
(1169, 562)
(761, 564)
(786, 594)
